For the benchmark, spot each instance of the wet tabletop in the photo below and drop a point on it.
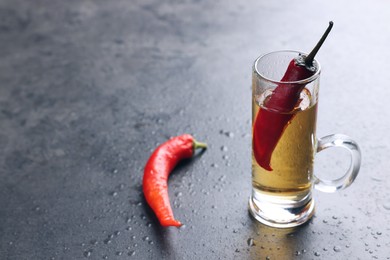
(89, 88)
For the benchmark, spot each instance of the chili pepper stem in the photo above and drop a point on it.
(309, 59)
(199, 145)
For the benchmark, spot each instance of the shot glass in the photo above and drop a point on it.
(284, 145)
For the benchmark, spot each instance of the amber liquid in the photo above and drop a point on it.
(292, 160)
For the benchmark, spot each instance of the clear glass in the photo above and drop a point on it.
(283, 153)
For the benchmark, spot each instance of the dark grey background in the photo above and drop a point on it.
(89, 88)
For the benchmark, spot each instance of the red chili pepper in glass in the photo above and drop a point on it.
(160, 164)
(271, 122)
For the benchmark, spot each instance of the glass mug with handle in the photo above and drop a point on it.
(284, 145)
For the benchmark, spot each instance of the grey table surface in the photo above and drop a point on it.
(89, 88)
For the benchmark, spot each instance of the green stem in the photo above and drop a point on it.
(199, 145)
(309, 59)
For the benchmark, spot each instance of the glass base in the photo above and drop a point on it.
(281, 213)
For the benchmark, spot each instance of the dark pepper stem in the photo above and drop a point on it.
(198, 145)
(309, 59)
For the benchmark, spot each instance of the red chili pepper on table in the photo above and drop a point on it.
(160, 164)
(271, 122)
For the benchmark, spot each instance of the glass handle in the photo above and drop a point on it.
(344, 141)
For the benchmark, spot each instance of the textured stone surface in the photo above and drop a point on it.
(89, 88)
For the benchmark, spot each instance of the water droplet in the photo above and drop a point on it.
(94, 242)
(304, 251)
(224, 148)
(117, 233)
(229, 134)
(88, 253)
(178, 194)
(237, 250)
(151, 242)
(222, 178)
(297, 253)
(325, 221)
(107, 241)
(336, 249)
(334, 217)
(105, 257)
(145, 238)
(225, 157)
(128, 228)
(119, 253)
(114, 193)
(37, 208)
(131, 253)
(317, 254)
(267, 258)
(250, 242)
(114, 171)
(214, 165)
(379, 233)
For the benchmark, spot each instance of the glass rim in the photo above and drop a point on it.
(302, 81)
